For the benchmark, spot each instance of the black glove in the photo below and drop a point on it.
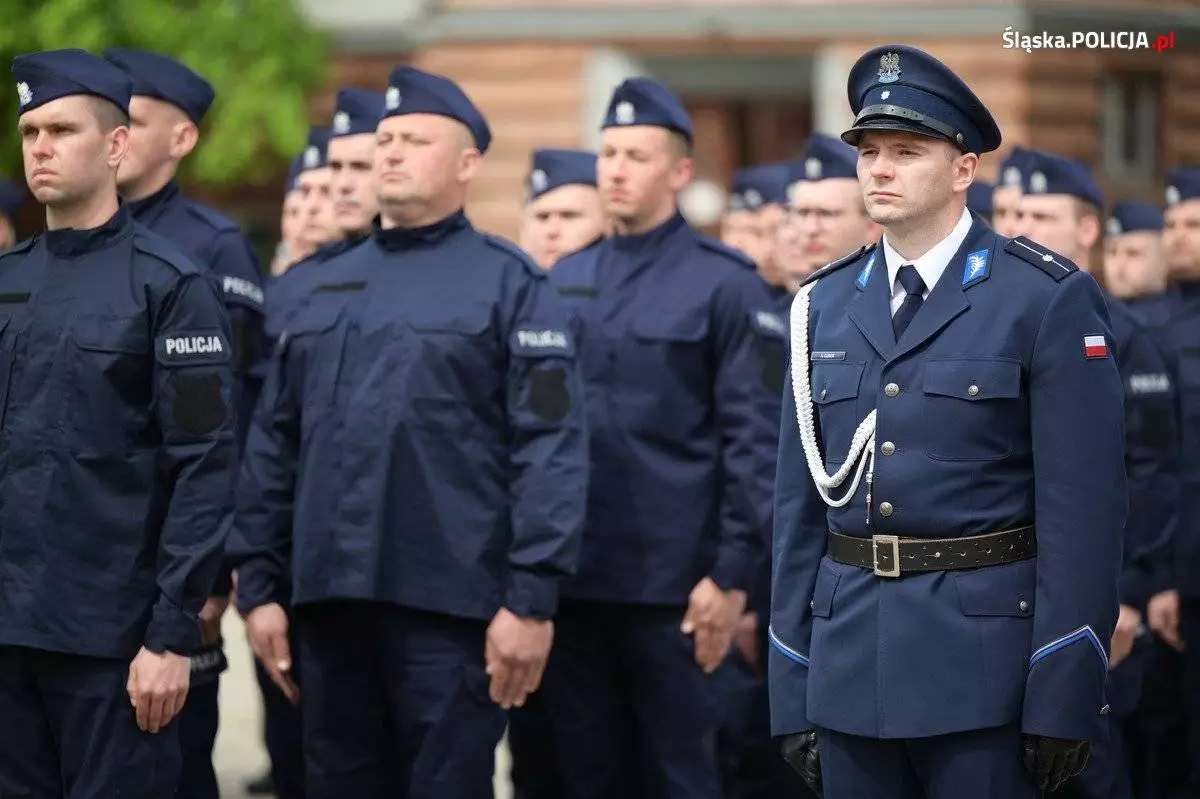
(1053, 761)
(801, 752)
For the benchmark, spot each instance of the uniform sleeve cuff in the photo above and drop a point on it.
(172, 629)
(531, 595)
(258, 585)
(733, 572)
(224, 583)
(1133, 587)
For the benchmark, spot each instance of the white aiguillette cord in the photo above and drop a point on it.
(861, 457)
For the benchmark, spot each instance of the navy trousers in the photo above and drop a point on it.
(198, 723)
(67, 730)
(395, 704)
(283, 732)
(981, 764)
(531, 746)
(633, 713)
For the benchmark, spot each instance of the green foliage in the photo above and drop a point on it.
(260, 55)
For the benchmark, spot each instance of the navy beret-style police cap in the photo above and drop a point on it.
(356, 111)
(164, 78)
(644, 101)
(1047, 173)
(1013, 168)
(53, 74)
(825, 158)
(316, 152)
(294, 170)
(11, 197)
(1183, 184)
(552, 169)
(759, 186)
(979, 197)
(897, 87)
(412, 91)
(1133, 216)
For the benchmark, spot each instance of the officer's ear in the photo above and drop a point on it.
(184, 137)
(963, 171)
(1088, 222)
(118, 146)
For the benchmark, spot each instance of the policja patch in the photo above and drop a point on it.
(192, 348)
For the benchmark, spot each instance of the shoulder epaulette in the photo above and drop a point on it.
(151, 243)
(19, 247)
(506, 246)
(214, 219)
(1048, 261)
(737, 256)
(830, 268)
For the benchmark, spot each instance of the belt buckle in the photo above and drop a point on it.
(893, 542)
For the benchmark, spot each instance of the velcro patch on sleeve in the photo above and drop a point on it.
(534, 342)
(192, 348)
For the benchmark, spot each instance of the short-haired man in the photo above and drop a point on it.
(118, 459)
(562, 211)
(826, 217)
(951, 494)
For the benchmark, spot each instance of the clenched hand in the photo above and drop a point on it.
(711, 618)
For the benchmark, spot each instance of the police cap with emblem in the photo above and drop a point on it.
(164, 78)
(316, 152)
(825, 158)
(898, 87)
(759, 186)
(11, 197)
(1183, 184)
(412, 91)
(355, 112)
(50, 75)
(979, 197)
(1012, 168)
(1134, 216)
(552, 169)
(1047, 173)
(644, 101)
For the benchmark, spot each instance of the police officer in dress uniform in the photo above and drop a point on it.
(979, 199)
(942, 602)
(168, 105)
(118, 457)
(562, 211)
(826, 217)
(1175, 614)
(1006, 194)
(423, 455)
(671, 327)
(1060, 209)
(11, 197)
(562, 215)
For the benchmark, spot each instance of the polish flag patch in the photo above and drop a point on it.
(1095, 347)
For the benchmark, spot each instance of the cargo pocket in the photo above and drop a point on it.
(835, 388)
(674, 349)
(447, 365)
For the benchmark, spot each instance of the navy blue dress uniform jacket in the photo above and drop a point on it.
(677, 342)
(117, 451)
(994, 417)
(421, 438)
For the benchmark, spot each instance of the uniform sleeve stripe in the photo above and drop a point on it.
(785, 650)
(1083, 633)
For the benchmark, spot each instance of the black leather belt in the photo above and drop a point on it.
(891, 556)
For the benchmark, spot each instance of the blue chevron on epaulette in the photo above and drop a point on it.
(836, 265)
(506, 246)
(1048, 261)
(712, 245)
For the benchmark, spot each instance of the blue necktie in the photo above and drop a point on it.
(914, 288)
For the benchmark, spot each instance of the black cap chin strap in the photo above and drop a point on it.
(908, 115)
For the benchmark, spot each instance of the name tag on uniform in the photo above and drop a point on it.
(541, 341)
(191, 348)
(828, 355)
